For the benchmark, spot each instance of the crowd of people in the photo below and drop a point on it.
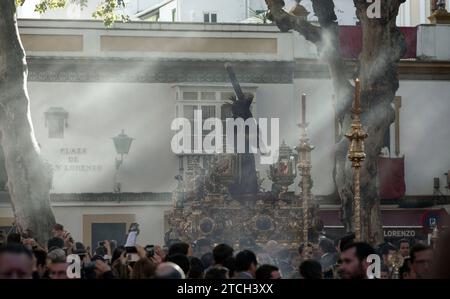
(345, 258)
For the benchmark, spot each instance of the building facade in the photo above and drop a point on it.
(88, 84)
(233, 11)
(412, 12)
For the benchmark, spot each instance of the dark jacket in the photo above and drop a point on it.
(327, 261)
(244, 275)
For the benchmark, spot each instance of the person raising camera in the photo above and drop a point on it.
(58, 231)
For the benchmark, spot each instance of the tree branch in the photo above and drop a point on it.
(286, 21)
(324, 10)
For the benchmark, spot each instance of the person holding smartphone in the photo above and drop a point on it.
(58, 231)
(130, 245)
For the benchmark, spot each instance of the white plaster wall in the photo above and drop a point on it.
(257, 4)
(404, 14)
(320, 116)
(151, 165)
(165, 12)
(6, 211)
(424, 134)
(135, 6)
(442, 42)
(73, 11)
(276, 101)
(345, 12)
(150, 217)
(92, 39)
(27, 10)
(426, 42)
(283, 102)
(98, 112)
(302, 47)
(433, 41)
(227, 11)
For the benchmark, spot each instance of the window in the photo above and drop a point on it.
(213, 102)
(188, 112)
(55, 128)
(56, 121)
(225, 96)
(190, 96)
(208, 111)
(206, 17)
(208, 96)
(174, 15)
(210, 17)
(213, 18)
(225, 112)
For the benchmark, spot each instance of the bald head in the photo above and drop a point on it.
(169, 271)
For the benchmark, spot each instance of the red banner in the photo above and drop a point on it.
(351, 41)
(391, 178)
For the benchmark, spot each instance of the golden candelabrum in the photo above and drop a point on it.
(304, 150)
(356, 155)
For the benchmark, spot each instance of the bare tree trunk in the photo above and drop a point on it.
(27, 179)
(382, 48)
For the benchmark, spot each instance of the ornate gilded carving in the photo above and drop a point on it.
(356, 155)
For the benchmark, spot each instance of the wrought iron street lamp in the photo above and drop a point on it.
(122, 143)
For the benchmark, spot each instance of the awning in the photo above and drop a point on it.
(413, 218)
